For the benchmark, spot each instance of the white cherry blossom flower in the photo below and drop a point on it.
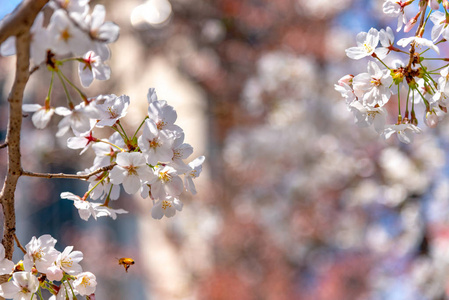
(110, 109)
(419, 42)
(373, 88)
(85, 208)
(23, 286)
(6, 266)
(85, 283)
(405, 132)
(131, 170)
(81, 142)
(92, 67)
(344, 87)
(395, 9)
(40, 253)
(440, 26)
(154, 144)
(180, 152)
(196, 166)
(69, 260)
(64, 36)
(168, 183)
(42, 114)
(102, 32)
(166, 207)
(162, 114)
(386, 37)
(104, 152)
(81, 119)
(366, 44)
(367, 116)
(151, 95)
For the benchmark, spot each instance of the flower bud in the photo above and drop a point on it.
(431, 119)
(347, 79)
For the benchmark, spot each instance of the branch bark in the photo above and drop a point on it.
(17, 24)
(67, 176)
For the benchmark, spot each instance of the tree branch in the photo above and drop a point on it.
(4, 145)
(16, 24)
(67, 176)
(13, 141)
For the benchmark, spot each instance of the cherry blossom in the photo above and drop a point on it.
(196, 166)
(6, 266)
(110, 109)
(23, 286)
(92, 67)
(405, 132)
(130, 171)
(85, 283)
(373, 88)
(40, 253)
(366, 44)
(42, 114)
(166, 207)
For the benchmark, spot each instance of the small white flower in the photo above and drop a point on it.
(405, 132)
(92, 67)
(40, 253)
(6, 266)
(131, 170)
(85, 283)
(166, 207)
(373, 88)
(81, 142)
(42, 115)
(196, 166)
(366, 44)
(366, 116)
(64, 36)
(395, 9)
(154, 144)
(110, 109)
(22, 286)
(69, 260)
(85, 208)
(344, 87)
(168, 183)
(419, 42)
(81, 119)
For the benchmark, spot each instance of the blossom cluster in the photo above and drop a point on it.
(44, 267)
(71, 30)
(151, 163)
(412, 79)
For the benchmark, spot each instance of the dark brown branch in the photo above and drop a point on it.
(19, 244)
(67, 176)
(4, 145)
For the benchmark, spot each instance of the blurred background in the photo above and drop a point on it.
(295, 201)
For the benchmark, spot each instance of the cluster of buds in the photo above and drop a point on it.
(413, 79)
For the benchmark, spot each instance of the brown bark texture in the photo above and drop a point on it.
(18, 24)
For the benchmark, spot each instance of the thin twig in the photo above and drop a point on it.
(67, 176)
(4, 145)
(19, 244)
